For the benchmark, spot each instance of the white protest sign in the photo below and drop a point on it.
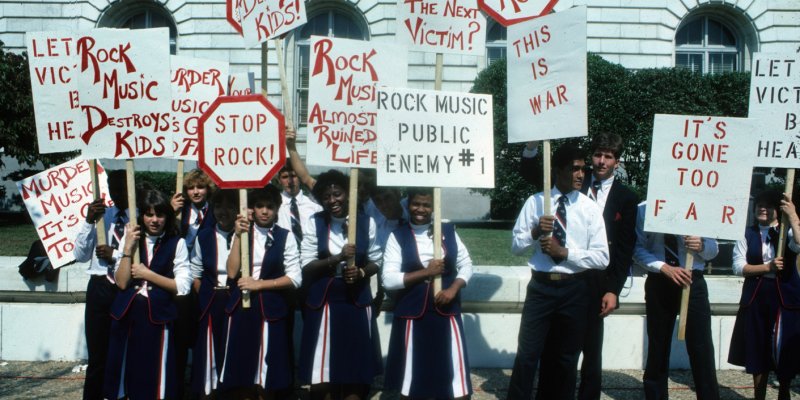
(435, 138)
(262, 20)
(195, 84)
(699, 182)
(53, 62)
(124, 90)
(509, 12)
(344, 76)
(57, 200)
(775, 103)
(442, 26)
(241, 84)
(242, 141)
(547, 77)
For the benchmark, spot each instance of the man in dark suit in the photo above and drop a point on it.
(619, 206)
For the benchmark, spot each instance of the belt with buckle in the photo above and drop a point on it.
(221, 287)
(554, 276)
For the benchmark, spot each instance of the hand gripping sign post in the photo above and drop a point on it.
(441, 26)
(510, 12)
(435, 138)
(774, 102)
(695, 184)
(547, 64)
(241, 146)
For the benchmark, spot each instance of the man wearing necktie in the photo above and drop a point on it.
(296, 207)
(619, 204)
(566, 247)
(663, 256)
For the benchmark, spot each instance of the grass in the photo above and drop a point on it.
(486, 246)
(15, 240)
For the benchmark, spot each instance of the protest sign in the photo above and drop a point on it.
(241, 84)
(344, 76)
(53, 61)
(123, 82)
(442, 26)
(232, 14)
(57, 200)
(547, 70)
(775, 103)
(241, 141)
(262, 20)
(510, 12)
(699, 182)
(195, 84)
(434, 138)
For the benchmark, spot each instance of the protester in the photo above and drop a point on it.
(101, 290)
(664, 256)
(338, 353)
(558, 297)
(209, 258)
(427, 353)
(767, 329)
(141, 355)
(619, 214)
(296, 207)
(257, 354)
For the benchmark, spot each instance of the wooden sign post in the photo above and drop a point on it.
(241, 146)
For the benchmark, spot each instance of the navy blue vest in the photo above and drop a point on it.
(162, 308)
(318, 286)
(412, 302)
(207, 240)
(787, 280)
(272, 303)
(208, 220)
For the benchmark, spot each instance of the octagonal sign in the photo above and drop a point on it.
(232, 14)
(241, 141)
(510, 12)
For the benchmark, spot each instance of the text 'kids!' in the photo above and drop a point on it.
(257, 354)
(141, 354)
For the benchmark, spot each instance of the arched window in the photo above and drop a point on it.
(331, 22)
(495, 43)
(140, 15)
(707, 45)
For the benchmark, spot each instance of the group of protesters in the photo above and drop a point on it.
(186, 293)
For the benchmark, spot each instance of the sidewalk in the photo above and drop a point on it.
(56, 380)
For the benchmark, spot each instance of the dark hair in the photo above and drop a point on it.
(608, 141)
(287, 167)
(769, 197)
(566, 154)
(418, 191)
(327, 179)
(270, 194)
(225, 195)
(160, 204)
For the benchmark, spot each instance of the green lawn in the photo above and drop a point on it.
(486, 246)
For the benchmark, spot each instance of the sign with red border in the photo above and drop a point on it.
(232, 14)
(242, 141)
(510, 12)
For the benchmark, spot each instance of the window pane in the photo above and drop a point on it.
(498, 32)
(692, 62)
(138, 21)
(692, 33)
(722, 62)
(344, 27)
(495, 53)
(317, 25)
(303, 51)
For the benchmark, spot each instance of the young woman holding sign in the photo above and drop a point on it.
(209, 258)
(140, 361)
(339, 353)
(257, 353)
(766, 336)
(427, 353)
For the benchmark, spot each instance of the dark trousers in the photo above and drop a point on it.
(553, 317)
(100, 294)
(185, 331)
(592, 364)
(663, 300)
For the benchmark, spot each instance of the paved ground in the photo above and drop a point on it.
(63, 381)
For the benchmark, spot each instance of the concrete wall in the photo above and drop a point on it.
(34, 331)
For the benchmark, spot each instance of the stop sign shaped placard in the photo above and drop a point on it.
(510, 12)
(241, 141)
(232, 14)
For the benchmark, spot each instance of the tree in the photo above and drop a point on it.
(619, 101)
